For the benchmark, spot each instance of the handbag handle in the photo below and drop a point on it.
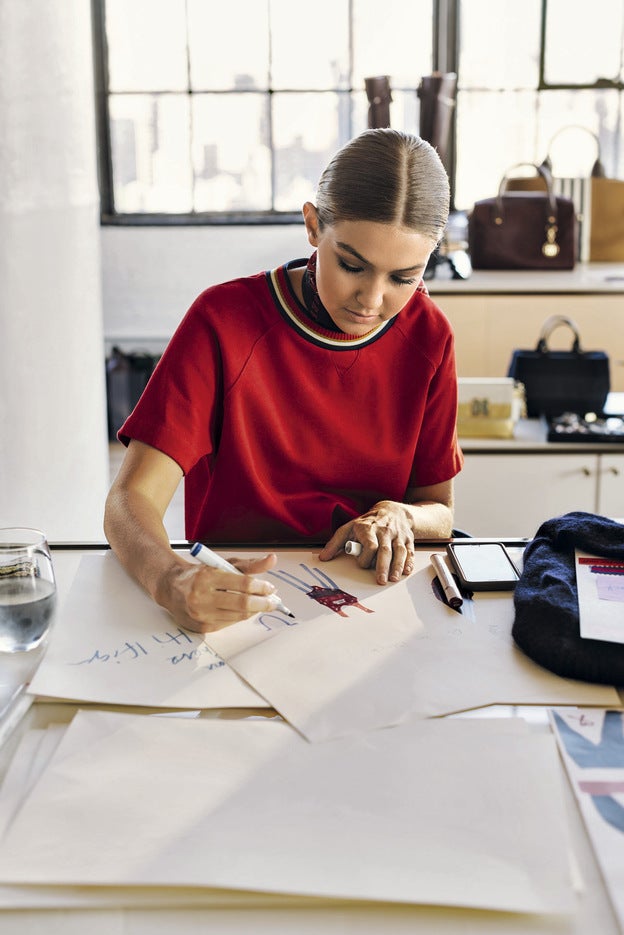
(549, 326)
(544, 172)
(598, 170)
(550, 247)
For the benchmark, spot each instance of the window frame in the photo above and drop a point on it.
(601, 84)
(445, 58)
(110, 217)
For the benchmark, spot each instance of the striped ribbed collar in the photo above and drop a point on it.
(293, 312)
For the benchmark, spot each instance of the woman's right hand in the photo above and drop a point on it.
(199, 598)
(204, 599)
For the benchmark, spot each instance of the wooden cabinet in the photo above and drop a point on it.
(509, 487)
(512, 494)
(611, 485)
(489, 326)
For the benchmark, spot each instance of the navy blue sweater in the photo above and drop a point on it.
(546, 624)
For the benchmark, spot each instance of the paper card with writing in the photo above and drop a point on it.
(113, 645)
(600, 586)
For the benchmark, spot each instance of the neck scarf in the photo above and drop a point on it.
(314, 307)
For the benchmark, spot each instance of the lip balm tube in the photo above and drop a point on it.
(352, 547)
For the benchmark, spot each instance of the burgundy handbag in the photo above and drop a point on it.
(523, 230)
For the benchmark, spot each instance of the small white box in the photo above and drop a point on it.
(489, 407)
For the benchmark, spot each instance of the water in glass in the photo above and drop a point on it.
(27, 589)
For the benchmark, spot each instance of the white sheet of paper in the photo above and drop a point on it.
(112, 644)
(28, 763)
(250, 805)
(600, 586)
(397, 653)
(591, 742)
(33, 754)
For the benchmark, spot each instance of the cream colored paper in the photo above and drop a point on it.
(385, 654)
(33, 754)
(398, 652)
(113, 645)
(250, 805)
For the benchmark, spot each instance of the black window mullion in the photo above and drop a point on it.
(102, 111)
(446, 35)
(446, 60)
(189, 91)
(339, 92)
(269, 108)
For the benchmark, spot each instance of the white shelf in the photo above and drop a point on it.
(585, 278)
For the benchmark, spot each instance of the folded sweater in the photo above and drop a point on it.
(546, 624)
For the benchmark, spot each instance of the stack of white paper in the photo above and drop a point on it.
(461, 812)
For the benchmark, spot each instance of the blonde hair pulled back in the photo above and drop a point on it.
(387, 176)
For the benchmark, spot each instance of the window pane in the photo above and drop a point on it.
(307, 129)
(394, 39)
(359, 112)
(499, 44)
(573, 152)
(404, 111)
(146, 45)
(150, 150)
(230, 153)
(224, 55)
(583, 43)
(495, 130)
(310, 44)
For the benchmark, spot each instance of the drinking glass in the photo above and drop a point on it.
(27, 589)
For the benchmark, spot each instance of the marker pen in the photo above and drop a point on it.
(451, 591)
(210, 558)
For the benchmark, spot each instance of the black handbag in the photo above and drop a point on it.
(561, 381)
(523, 230)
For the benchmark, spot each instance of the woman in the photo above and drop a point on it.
(313, 403)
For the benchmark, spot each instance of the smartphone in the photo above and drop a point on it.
(483, 566)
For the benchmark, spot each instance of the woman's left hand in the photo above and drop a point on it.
(388, 531)
(386, 535)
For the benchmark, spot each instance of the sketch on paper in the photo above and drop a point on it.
(325, 591)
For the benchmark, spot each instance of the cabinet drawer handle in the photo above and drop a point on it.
(613, 470)
(585, 472)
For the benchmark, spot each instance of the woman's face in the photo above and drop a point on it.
(366, 272)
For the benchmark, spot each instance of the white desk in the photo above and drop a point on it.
(594, 913)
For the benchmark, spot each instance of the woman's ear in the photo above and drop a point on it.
(311, 220)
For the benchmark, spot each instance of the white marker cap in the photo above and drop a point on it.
(352, 548)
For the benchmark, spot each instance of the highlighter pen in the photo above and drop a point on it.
(451, 591)
(210, 558)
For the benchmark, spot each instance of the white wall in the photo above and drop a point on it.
(151, 275)
(53, 452)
